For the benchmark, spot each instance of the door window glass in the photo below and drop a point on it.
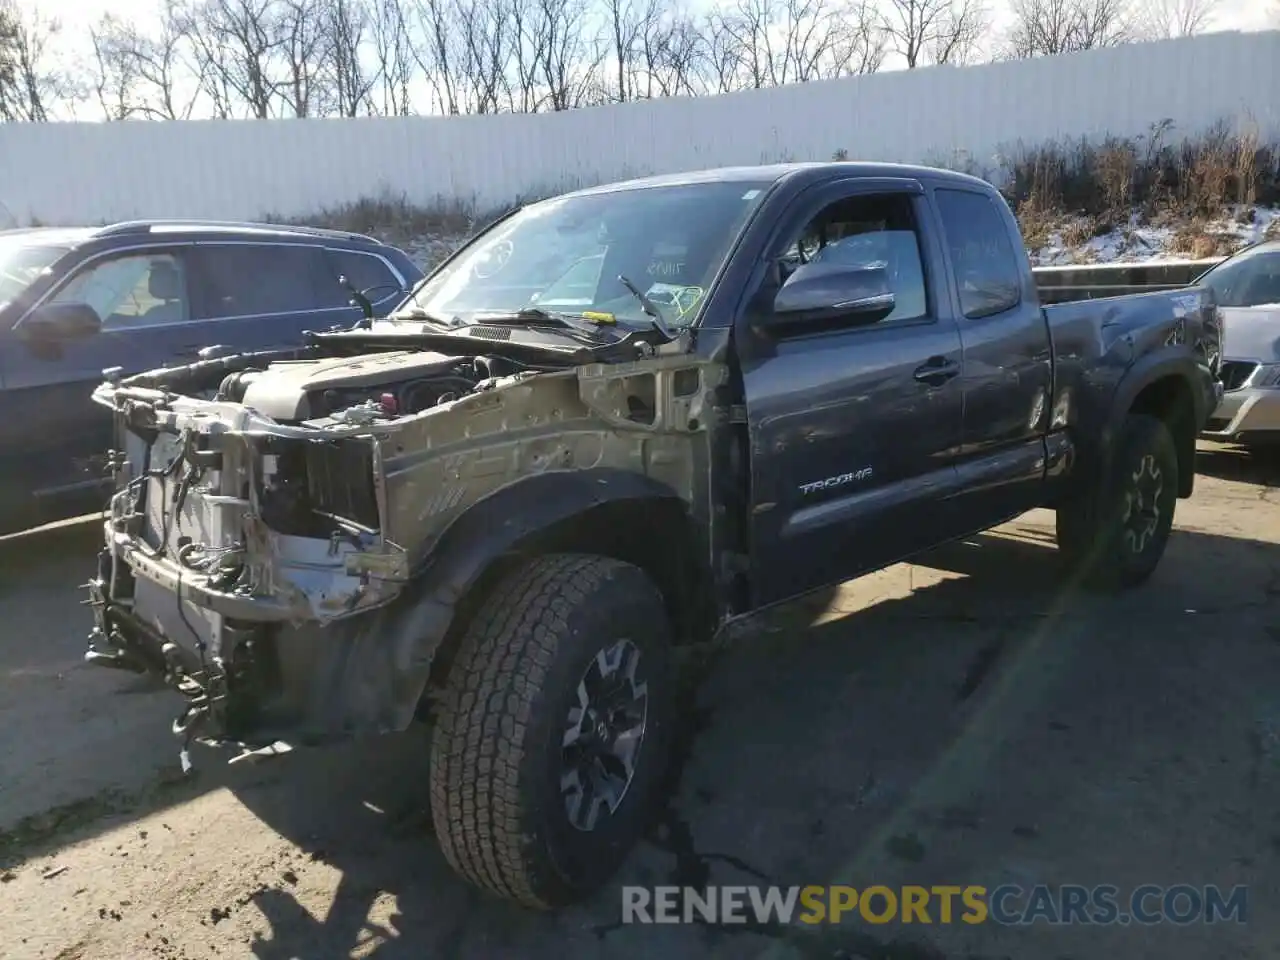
(245, 280)
(868, 232)
(20, 264)
(1250, 280)
(366, 273)
(132, 291)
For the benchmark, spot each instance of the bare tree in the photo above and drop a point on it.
(720, 55)
(352, 86)
(434, 49)
(672, 56)
(1164, 19)
(630, 25)
(146, 74)
(958, 40)
(237, 46)
(937, 30)
(29, 82)
(297, 31)
(746, 34)
(1048, 27)
(490, 34)
(393, 55)
(114, 76)
(764, 43)
(465, 50)
(567, 54)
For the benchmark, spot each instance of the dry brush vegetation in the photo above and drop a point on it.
(1192, 186)
(1202, 190)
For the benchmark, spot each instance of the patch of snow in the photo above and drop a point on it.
(1139, 241)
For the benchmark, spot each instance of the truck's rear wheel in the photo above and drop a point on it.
(552, 737)
(1115, 536)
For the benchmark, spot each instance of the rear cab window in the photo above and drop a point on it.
(988, 273)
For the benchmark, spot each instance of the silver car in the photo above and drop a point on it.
(1247, 289)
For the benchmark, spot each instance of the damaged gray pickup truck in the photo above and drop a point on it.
(611, 423)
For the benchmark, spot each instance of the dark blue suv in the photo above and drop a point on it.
(137, 295)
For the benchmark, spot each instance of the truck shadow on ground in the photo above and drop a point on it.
(800, 747)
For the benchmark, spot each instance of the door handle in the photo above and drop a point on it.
(936, 371)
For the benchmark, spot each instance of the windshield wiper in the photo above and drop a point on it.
(417, 313)
(649, 307)
(537, 315)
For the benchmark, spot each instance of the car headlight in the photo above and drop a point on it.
(1267, 376)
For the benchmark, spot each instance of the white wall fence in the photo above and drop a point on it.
(95, 172)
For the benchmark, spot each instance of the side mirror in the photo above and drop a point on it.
(61, 322)
(833, 293)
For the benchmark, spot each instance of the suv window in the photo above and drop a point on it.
(131, 291)
(987, 271)
(366, 273)
(1250, 280)
(865, 230)
(243, 280)
(21, 264)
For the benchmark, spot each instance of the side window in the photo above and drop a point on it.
(987, 270)
(1263, 287)
(133, 291)
(244, 280)
(869, 231)
(366, 273)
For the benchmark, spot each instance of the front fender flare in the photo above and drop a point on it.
(403, 638)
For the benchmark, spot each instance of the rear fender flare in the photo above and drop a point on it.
(1146, 371)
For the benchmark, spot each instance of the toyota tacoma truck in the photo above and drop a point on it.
(611, 423)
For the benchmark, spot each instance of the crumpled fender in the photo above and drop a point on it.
(387, 663)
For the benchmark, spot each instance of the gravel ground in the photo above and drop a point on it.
(958, 720)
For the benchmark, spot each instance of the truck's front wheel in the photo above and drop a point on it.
(1115, 535)
(552, 738)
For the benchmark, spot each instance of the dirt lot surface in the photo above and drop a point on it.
(961, 720)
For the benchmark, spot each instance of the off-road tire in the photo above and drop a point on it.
(1091, 527)
(496, 799)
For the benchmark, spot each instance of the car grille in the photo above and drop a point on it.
(1236, 372)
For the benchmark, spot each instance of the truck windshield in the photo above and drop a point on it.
(1250, 279)
(566, 255)
(21, 263)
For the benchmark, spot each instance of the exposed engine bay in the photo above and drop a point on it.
(271, 508)
(310, 489)
(335, 390)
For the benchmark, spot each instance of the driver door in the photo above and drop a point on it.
(142, 300)
(854, 428)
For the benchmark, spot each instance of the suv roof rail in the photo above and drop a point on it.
(146, 226)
